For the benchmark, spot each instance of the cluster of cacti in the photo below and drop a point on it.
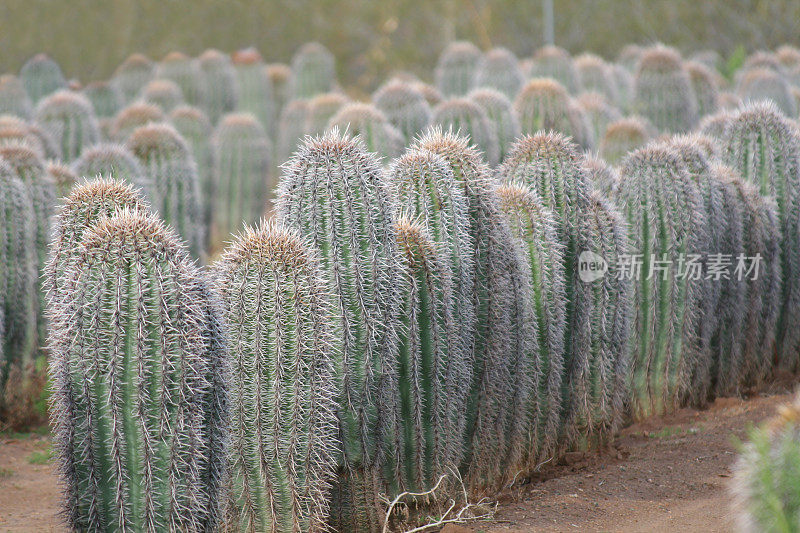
(70, 121)
(313, 71)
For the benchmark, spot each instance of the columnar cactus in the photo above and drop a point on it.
(767, 474)
(714, 125)
(623, 79)
(505, 345)
(314, 71)
(194, 126)
(534, 227)
(405, 107)
(456, 68)
(595, 75)
(764, 148)
(41, 76)
(599, 113)
(18, 271)
(132, 75)
(604, 177)
(114, 161)
(501, 115)
(765, 84)
(256, 93)
(292, 128)
(554, 62)
(175, 191)
(13, 98)
(131, 365)
(105, 98)
(663, 91)
(280, 327)
(166, 94)
(184, 71)
(242, 175)
(433, 363)
(464, 116)
(499, 69)
(544, 104)
(333, 192)
(221, 86)
(624, 136)
(376, 132)
(70, 121)
(134, 116)
(705, 87)
(62, 177)
(282, 79)
(321, 109)
(664, 209)
(431, 93)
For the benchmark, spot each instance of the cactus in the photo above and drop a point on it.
(280, 326)
(663, 91)
(714, 125)
(595, 75)
(764, 148)
(534, 227)
(256, 93)
(292, 128)
(705, 87)
(220, 82)
(431, 93)
(18, 272)
(321, 109)
(456, 68)
(624, 136)
(767, 475)
(131, 364)
(629, 56)
(105, 98)
(405, 107)
(134, 116)
(376, 132)
(505, 344)
(469, 119)
(186, 73)
(282, 79)
(664, 209)
(41, 76)
(501, 115)
(787, 55)
(433, 363)
(314, 71)
(69, 120)
(193, 125)
(166, 94)
(554, 62)
(543, 104)
(62, 177)
(29, 168)
(175, 191)
(333, 192)
(13, 98)
(113, 161)
(499, 69)
(242, 175)
(765, 84)
(598, 112)
(623, 79)
(131, 76)
(603, 177)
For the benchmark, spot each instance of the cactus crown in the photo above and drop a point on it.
(162, 92)
(375, 130)
(321, 109)
(660, 59)
(135, 115)
(112, 160)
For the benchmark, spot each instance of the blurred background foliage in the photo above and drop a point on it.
(371, 38)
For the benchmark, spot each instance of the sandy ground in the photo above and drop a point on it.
(668, 474)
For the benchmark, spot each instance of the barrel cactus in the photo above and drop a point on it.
(70, 121)
(664, 209)
(371, 125)
(555, 63)
(499, 69)
(321, 109)
(599, 113)
(501, 115)
(132, 456)
(464, 116)
(595, 75)
(624, 136)
(314, 71)
(280, 328)
(62, 177)
(405, 107)
(765, 84)
(282, 79)
(13, 98)
(764, 147)
(243, 174)
(544, 104)
(663, 91)
(256, 93)
(115, 161)
(714, 125)
(220, 84)
(135, 115)
(166, 94)
(132, 75)
(105, 98)
(194, 126)
(705, 87)
(455, 70)
(604, 177)
(175, 191)
(41, 76)
(186, 73)
(292, 128)
(334, 193)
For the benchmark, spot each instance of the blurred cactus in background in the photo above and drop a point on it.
(194, 126)
(62, 177)
(292, 128)
(499, 69)
(604, 178)
(663, 91)
(186, 73)
(555, 63)
(465, 117)
(599, 113)
(313, 71)
(456, 68)
(70, 121)
(105, 98)
(166, 94)
(41, 76)
(256, 93)
(501, 115)
(623, 136)
(115, 161)
(765, 84)
(220, 83)
(371, 125)
(544, 104)
(321, 109)
(132, 75)
(281, 79)
(132, 117)
(705, 87)
(595, 75)
(13, 98)
(405, 107)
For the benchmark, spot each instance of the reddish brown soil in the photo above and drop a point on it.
(667, 474)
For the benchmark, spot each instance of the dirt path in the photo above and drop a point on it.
(668, 474)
